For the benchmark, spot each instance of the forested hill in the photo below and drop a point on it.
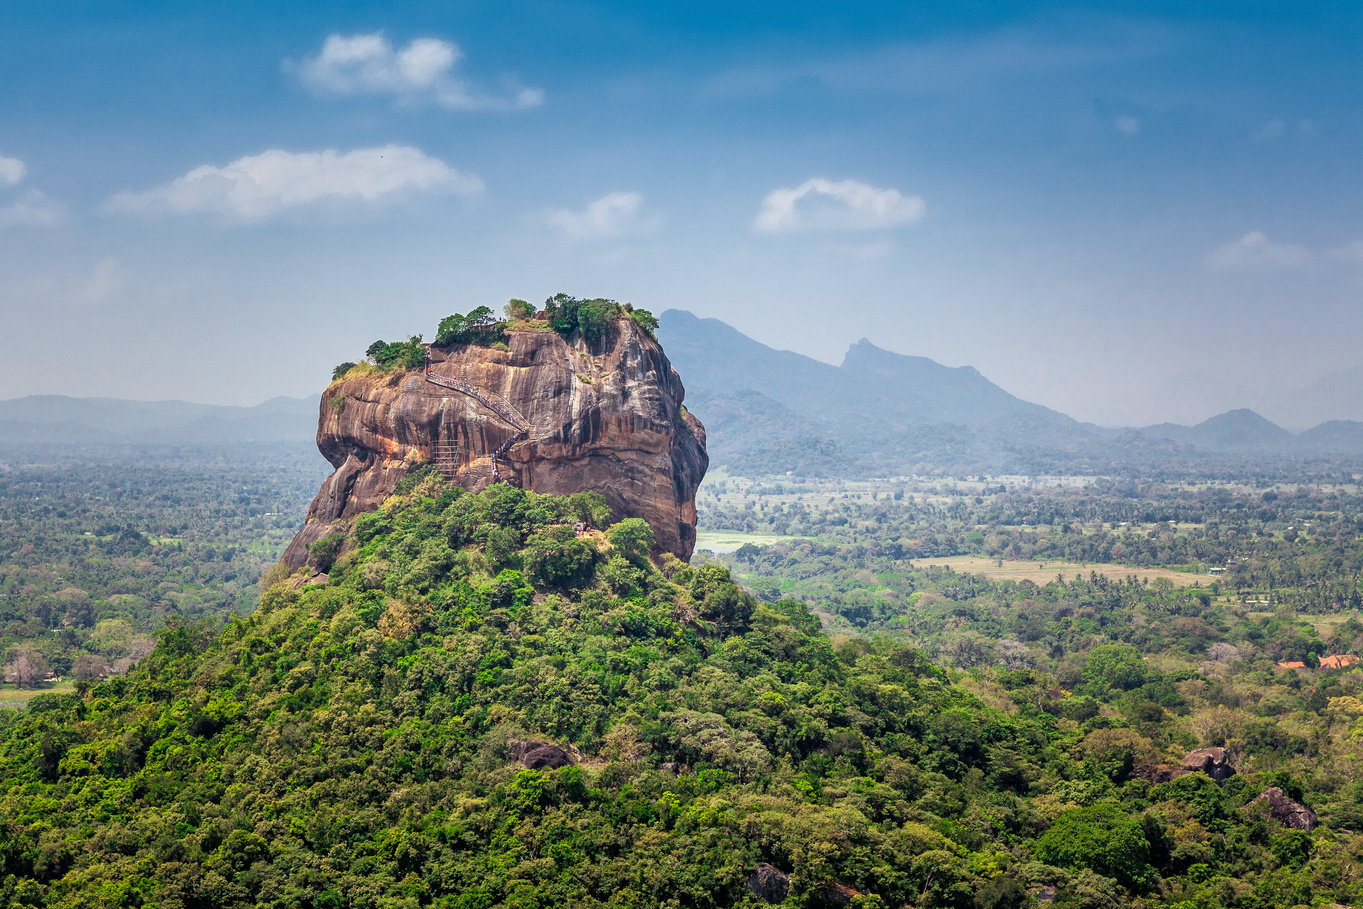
(881, 414)
(479, 705)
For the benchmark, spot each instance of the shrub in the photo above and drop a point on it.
(647, 321)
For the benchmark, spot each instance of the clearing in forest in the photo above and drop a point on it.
(1044, 571)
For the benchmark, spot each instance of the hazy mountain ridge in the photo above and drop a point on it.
(59, 418)
(772, 411)
(882, 412)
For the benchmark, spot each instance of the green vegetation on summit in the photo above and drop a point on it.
(567, 315)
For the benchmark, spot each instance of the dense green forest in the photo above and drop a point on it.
(99, 546)
(482, 707)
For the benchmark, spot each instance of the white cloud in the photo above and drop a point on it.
(1256, 251)
(12, 171)
(262, 186)
(31, 209)
(422, 72)
(612, 215)
(821, 204)
(1127, 125)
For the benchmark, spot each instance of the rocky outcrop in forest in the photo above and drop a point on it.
(548, 414)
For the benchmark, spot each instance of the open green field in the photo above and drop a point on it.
(19, 697)
(722, 541)
(1042, 572)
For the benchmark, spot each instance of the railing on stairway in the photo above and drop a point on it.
(492, 402)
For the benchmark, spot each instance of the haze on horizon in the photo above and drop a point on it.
(1128, 218)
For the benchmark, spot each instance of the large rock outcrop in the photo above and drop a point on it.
(606, 417)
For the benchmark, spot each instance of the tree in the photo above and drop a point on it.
(632, 538)
(645, 320)
(26, 667)
(555, 557)
(519, 309)
(90, 666)
(594, 318)
(1114, 667)
(1105, 838)
(462, 329)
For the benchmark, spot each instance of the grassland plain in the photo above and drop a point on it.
(1041, 571)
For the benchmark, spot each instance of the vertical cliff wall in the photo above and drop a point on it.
(547, 414)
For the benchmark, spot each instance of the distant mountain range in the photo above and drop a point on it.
(771, 411)
(48, 419)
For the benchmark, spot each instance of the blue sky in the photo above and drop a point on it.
(1129, 216)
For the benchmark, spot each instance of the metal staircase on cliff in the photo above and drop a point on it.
(445, 453)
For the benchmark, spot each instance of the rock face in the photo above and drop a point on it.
(1286, 810)
(769, 883)
(546, 414)
(1214, 762)
(542, 755)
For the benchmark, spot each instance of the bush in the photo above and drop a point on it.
(647, 321)
(325, 551)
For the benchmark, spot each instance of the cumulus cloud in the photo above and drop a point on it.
(1256, 251)
(821, 204)
(422, 72)
(258, 187)
(12, 171)
(612, 215)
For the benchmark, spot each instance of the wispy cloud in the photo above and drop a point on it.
(259, 187)
(947, 65)
(31, 209)
(421, 72)
(1349, 252)
(1278, 128)
(1255, 251)
(12, 171)
(1269, 131)
(28, 207)
(612, 215)
(823, 204)
(1127, 125)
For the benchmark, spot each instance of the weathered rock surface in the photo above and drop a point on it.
(769, 883)
(1286, 810)
(1214, 762)
(607, 418)
(542, 755)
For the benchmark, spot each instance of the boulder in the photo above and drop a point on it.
(546, 413)
(542, 755)
(769, 883)
(1285, 810)
(1214, 762)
